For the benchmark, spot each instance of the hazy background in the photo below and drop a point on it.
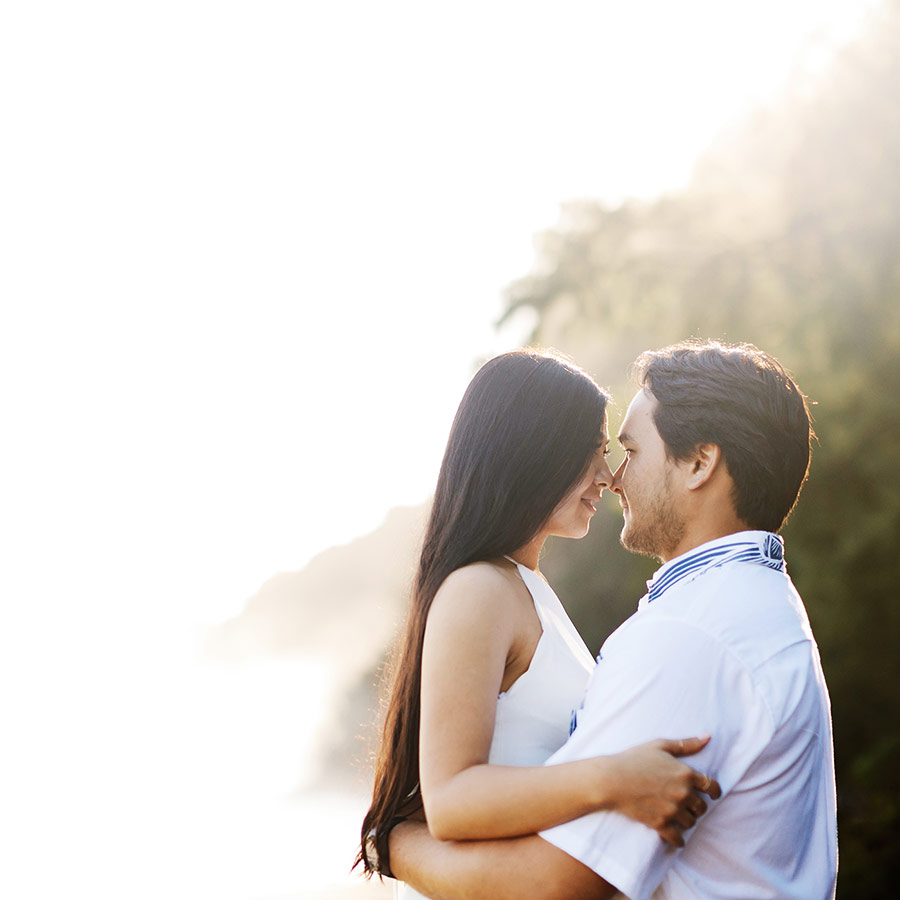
(251, 256)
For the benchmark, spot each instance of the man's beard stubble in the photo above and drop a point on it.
(660, 529)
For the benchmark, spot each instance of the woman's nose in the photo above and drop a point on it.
(615, 484)
(603, 477)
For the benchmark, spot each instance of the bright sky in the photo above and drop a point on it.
(253, 250)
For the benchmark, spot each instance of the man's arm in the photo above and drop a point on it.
(511, 869)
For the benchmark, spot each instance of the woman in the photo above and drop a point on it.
(491, 668)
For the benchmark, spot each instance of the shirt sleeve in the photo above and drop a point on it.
(659, 678)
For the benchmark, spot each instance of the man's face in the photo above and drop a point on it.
(645, 483)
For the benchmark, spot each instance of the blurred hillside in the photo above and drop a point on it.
(344, 606)
(788, 237)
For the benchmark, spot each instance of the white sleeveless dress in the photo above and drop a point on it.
(535, 714)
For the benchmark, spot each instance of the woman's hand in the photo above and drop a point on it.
(654, 788)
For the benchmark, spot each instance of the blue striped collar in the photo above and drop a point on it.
(761, 547)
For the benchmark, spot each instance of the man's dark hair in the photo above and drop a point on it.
(742, 399)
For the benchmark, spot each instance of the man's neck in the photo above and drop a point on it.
(703, 533)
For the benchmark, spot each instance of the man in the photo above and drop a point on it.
(716, 448)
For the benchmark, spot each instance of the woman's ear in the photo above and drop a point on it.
(703, 463)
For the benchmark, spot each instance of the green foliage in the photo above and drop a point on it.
(789, 237)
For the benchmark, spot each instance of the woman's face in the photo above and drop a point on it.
(572, 516)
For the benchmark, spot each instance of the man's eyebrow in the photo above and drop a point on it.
(623, 436)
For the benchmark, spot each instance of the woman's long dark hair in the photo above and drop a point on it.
(525, 432)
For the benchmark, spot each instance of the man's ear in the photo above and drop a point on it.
(702, 465)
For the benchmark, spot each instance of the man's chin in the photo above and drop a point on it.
(634, 543)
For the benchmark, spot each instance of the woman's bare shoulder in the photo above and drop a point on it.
(489, 588)
(491, 576)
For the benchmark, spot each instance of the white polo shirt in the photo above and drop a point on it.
(724, 648)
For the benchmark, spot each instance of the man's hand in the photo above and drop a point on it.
(653, 787)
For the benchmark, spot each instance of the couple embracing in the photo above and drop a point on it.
(512, 765)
